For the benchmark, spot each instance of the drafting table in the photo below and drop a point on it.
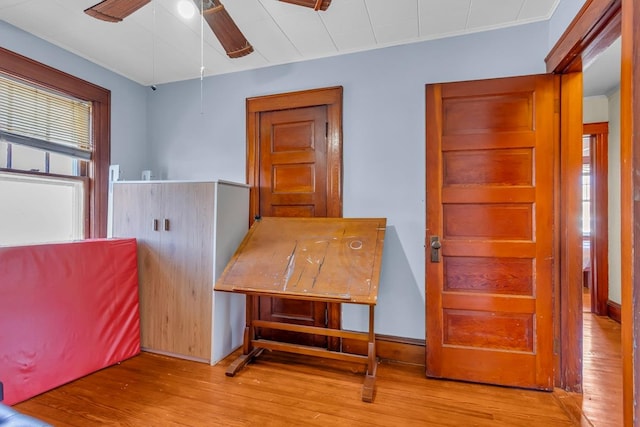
(333, 260)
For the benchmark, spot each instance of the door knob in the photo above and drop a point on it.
(435, 248)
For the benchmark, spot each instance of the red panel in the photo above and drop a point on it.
(66, 310)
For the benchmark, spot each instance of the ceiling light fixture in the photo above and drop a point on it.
(186, 9)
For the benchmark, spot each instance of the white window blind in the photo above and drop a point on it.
(45, 120)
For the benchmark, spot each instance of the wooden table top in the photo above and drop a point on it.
(323, 259)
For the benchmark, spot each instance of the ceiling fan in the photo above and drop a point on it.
(227, 32)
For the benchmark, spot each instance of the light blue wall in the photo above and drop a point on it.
(194, 137)
(562, 17)
(181, 133)
(128, 99)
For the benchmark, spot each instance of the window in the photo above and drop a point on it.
(49, 134)
(586, 185)
(42, 209)
(53, 168)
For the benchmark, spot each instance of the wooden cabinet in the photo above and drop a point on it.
(186, 233)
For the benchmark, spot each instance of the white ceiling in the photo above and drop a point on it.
(155, 45)
(602, 76)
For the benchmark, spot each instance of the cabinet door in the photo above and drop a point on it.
(173, 224)
(136, 214)
(187, 258)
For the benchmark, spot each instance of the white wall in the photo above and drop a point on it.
(595, 109)
(615, 230)
(384, 137)
(129, 141)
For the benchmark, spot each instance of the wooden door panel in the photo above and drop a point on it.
(293, 156)
(513, 331)
(504, 275)
(294, 132)
(463, 363)
(487, 221)
(297, 312)
(474, 112)
(490, 169)
(299, 178)
(305, 211)
(497, 167)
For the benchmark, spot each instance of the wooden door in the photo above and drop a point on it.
(490, 193)
(293, 183)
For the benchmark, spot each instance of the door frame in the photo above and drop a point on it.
(331, 97)
(595, 27)
(599, 236)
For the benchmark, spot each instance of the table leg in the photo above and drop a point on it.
(249, 332)
(242, 361)
(248, 352)
(368, 388)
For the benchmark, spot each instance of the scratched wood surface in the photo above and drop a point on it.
(309, 258)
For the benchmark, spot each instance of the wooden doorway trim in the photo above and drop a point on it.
(597, 24)
(599, 170)
(332, 98)
(569, 249)
(630, 209)
(594, 28)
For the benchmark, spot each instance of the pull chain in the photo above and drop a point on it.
(202, 57)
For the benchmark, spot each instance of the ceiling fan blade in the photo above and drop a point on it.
(315, 4)
(115, 10)
(230, 36)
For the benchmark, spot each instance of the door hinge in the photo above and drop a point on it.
(326, 129)
(556, 106)
(556, 345)
(326, 316)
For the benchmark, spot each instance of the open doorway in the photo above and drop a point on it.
(601, 215)
(595, 216)
(587, 260)
(601, 182)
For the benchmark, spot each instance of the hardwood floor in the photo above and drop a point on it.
(282, 390)
(602, 380)
(601, 401)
